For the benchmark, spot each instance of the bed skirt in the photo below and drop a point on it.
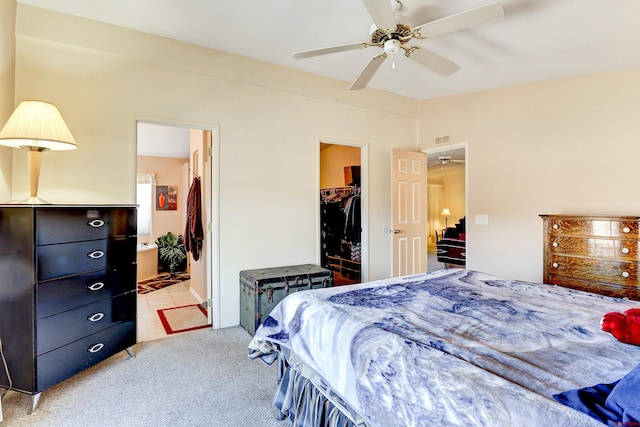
(306, 402)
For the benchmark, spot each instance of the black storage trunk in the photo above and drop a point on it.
(262, 289)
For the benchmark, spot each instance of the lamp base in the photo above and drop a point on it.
(33, 200)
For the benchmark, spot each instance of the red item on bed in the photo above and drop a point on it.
(624, 326)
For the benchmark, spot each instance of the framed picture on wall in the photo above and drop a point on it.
(166, 197)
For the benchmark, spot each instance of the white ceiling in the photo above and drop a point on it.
(437, 168)
(162, 141)
(537, 40)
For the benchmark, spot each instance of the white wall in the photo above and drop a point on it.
(565, 146)
(270, 118)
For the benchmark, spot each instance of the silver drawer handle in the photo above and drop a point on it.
(96, 286)
(555, 265)
(96, 317)
(95, 254)
(556, 226)
(626, 230)
(625, 274)
(95, 348)
(555, 244)
(625, 250)
(96, 223)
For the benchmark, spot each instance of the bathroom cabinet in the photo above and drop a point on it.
(67, 290)
(147, 261)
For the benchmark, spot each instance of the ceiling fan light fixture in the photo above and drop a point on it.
(391, 46)
(392, 30)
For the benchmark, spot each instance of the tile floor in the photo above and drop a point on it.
(149, 325)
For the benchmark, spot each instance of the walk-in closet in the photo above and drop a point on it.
(341, 212)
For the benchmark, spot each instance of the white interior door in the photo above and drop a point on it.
(409, 185)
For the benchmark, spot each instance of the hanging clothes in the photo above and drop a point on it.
(331, 228)
(340, 224)
(194, 234)
(352, 225)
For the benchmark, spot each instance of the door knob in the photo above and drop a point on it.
(390, 230)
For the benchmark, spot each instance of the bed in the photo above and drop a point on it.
(454, 347)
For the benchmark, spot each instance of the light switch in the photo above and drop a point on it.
(482, 219)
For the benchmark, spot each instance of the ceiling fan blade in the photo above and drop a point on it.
(457, 161)
(433, 61)
(462, 20)
(368, 71)
(327, 50)
(381, 12)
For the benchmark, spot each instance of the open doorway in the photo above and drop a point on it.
(174, 291)
(446, 206)
(343, 242)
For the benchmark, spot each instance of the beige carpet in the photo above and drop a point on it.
(183, 319)
(196, 379)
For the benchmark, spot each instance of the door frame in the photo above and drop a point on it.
(211, 201)
(364, 201)
(448, 147)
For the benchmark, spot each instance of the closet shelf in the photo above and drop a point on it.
(343, 265)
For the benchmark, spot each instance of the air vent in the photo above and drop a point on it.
(442, 139)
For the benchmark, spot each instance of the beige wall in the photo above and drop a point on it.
(332, 163)
(270, 118)
(198, 270)
(453, 196)
(7, 82)
(168, 172)
(565, 146)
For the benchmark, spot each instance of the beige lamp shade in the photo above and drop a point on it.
(39, 125)
(36, 126)
(445, 212)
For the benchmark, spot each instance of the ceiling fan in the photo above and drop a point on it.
(444, 159)
(391, 34)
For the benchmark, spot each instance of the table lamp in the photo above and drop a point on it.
(445, 213)
(36, 126)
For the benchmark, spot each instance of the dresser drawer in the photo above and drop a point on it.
(56, 296)
(68, 259)
(600, 228)
(597, 270)
(609, 289)
(62, 328)
(73, 225)
(594, 247)
(77, 356)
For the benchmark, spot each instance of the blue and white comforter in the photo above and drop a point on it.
(454, 347)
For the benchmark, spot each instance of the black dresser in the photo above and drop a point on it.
(67, 290)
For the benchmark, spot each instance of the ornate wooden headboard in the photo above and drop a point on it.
(593, 253)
